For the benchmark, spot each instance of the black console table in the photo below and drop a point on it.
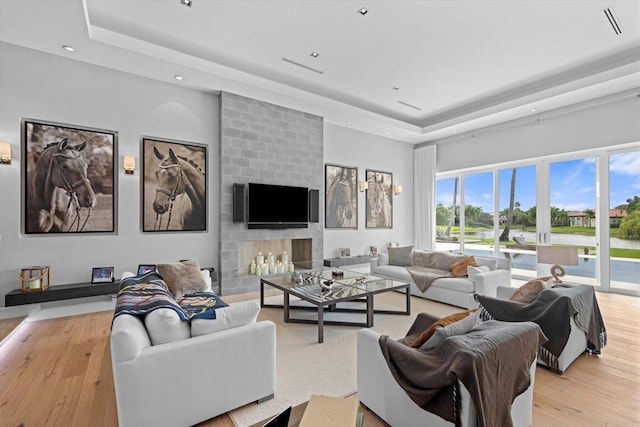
(339, 262)
(61, 292)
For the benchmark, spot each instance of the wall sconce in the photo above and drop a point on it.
(129, 165)
(364, 185)
(5, 153)
(397, 189)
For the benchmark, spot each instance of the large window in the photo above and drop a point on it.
(588, 202)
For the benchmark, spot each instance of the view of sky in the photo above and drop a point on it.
(573, 184)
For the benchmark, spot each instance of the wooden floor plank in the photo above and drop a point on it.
(58, 372)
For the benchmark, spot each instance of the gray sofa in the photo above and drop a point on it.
(456, 291)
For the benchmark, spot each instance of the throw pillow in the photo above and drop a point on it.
(401, 256)
(459, 269)
(530, 290)
(182, 277)
(456, 328)
(237, 314)
(474, 271)
(164, 325)
(491, 263)
(445, 321)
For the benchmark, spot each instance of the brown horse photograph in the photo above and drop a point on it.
(174, 186)
(69, 178)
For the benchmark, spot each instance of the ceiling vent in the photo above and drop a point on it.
(612, 20)
(315, 70)
(410, 106)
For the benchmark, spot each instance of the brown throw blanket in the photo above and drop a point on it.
(552, 310)
(424, 276)
(429, 266)
(492, 361)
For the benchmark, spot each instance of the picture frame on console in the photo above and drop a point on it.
(146, 268)
(102, 275)
(174, 186)
(341, 197)
(379, 210)
(69, 179)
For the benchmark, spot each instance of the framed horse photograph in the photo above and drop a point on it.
(69, 180)
(341, 201)
(379, 199)
(174, 185)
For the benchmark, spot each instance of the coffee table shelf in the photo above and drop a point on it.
(346, 289)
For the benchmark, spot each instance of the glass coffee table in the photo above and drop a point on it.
(352, 286)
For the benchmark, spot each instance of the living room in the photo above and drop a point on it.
(41, 81)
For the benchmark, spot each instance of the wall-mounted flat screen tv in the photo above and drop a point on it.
(278, 206)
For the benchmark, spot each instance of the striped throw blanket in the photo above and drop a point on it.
(140, 295)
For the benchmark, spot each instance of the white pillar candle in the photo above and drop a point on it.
(281, 268)
(252, 267)
(291, 268)
(265, 269)
(259, 258)
(285, 257)
(270, 259)
(35, 284)
(258, 269)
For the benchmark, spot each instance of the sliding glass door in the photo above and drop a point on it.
(447, 230)
(624, 222)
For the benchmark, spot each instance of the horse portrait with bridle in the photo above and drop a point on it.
(179, 194)
(68, 181)
(379, 202)
(340, 200)
(57, 188)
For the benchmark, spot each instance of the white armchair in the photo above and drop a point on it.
(380, 392)
(184, 382)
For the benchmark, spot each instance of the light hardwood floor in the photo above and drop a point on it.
(58, 373)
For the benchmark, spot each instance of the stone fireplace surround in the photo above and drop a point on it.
(269, 144)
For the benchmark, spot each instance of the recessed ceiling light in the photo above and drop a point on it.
(395, 87)
(533, 110)
(455, 131)
(363, 11)
(386, 132)
(178, 77)
(68, 48)
(187, 2)
(348, 123)
(315, 54)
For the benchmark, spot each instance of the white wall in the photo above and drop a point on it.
(602, 125)
(348, 147)
(48, 87)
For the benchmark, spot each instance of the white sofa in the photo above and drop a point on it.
(456, 291)
(184, 382)
(576, 344)
(381, 393)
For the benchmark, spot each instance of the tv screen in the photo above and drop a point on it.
(278, 206)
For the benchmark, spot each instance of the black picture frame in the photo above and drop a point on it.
(379, 199)
(182, 168)
(146, 268)
(102, 275)
(341, 197)
(73, 169)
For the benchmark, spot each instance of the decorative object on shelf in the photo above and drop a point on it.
(326, 284)
(361, 279)
(373, 250)
(341, 201)
(337, 274)
(74, 172)
(5, 153)
(344, 252)
(565, 255)
(166, 205)
(129, 165)
(379, 199)
(145, 268)
(36, 278)
(393, 245)
(102, 275)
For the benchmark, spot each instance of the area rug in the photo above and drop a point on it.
(305, 367)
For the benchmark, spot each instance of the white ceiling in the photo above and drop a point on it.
(465, 64)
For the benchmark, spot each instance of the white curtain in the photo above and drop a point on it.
(424, 214)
